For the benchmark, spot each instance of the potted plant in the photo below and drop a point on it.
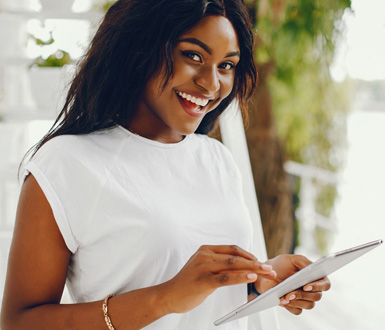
(48, 75)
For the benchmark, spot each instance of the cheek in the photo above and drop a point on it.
(183, 72)
(227, 85)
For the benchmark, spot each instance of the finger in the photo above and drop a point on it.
(317, 286)
(302, 295)
(293, 310)
(221, 263)
(300, 261)
(233, 257)
(232, 278)
(228, 249)
(301, 304)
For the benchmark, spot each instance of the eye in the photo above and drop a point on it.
(227, 66)
(192, 55)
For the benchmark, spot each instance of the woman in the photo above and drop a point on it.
(122, 198)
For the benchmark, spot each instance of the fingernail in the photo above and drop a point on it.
(266, 267)
(292, 297)
(308, 288)
(252, 276)
(285, 302)
(273, 273)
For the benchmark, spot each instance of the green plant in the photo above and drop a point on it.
(298, 112)
(58, 58)
(103, 5)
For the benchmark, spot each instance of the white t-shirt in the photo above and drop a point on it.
(133, 211)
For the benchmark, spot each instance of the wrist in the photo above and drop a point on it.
(258, 285)
(251, 290)
(164, 300)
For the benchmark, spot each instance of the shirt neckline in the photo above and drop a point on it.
(153, 142)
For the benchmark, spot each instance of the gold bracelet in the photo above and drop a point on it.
(105, 312)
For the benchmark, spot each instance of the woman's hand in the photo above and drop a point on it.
(209, 268)
(295, 301)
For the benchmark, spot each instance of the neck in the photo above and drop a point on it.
(162, 136)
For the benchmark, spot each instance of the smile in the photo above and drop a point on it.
(193, 99)
(192, 105)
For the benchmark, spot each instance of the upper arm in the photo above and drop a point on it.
(39, 257)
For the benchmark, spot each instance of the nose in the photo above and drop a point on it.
(208, 79)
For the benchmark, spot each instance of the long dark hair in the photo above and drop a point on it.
(135, 38)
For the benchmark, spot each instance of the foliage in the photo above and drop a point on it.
(299, 37)
(103, 5)
(57, 59)
(41, 42)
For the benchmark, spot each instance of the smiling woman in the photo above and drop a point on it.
(127, 201)
(141, 47)
(204, 61)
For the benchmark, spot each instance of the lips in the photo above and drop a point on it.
(202, 101)
(190, 107)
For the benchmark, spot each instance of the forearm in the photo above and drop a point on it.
(129, 311)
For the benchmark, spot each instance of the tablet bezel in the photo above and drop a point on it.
(313, 272)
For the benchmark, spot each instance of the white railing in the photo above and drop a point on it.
(311, 178)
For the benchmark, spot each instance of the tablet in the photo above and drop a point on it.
(315, 271)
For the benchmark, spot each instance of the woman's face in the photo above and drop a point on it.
(204, 68)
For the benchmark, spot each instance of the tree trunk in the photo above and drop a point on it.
(271, 181)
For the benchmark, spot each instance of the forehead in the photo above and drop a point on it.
(215, 31)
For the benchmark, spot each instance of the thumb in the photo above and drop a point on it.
(300, 261)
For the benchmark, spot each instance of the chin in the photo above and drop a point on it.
(189, 130)
(186, 128)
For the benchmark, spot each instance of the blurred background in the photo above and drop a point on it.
(316, 129)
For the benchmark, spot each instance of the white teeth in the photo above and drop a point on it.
(193, 99)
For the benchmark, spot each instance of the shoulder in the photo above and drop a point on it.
(82, 146)
(217, 152)
(207, 140)
(213, 145)
(69, 154)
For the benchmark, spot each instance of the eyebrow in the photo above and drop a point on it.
(207, 48)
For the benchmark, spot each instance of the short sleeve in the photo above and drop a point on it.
(55, 203)
(63, 172)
